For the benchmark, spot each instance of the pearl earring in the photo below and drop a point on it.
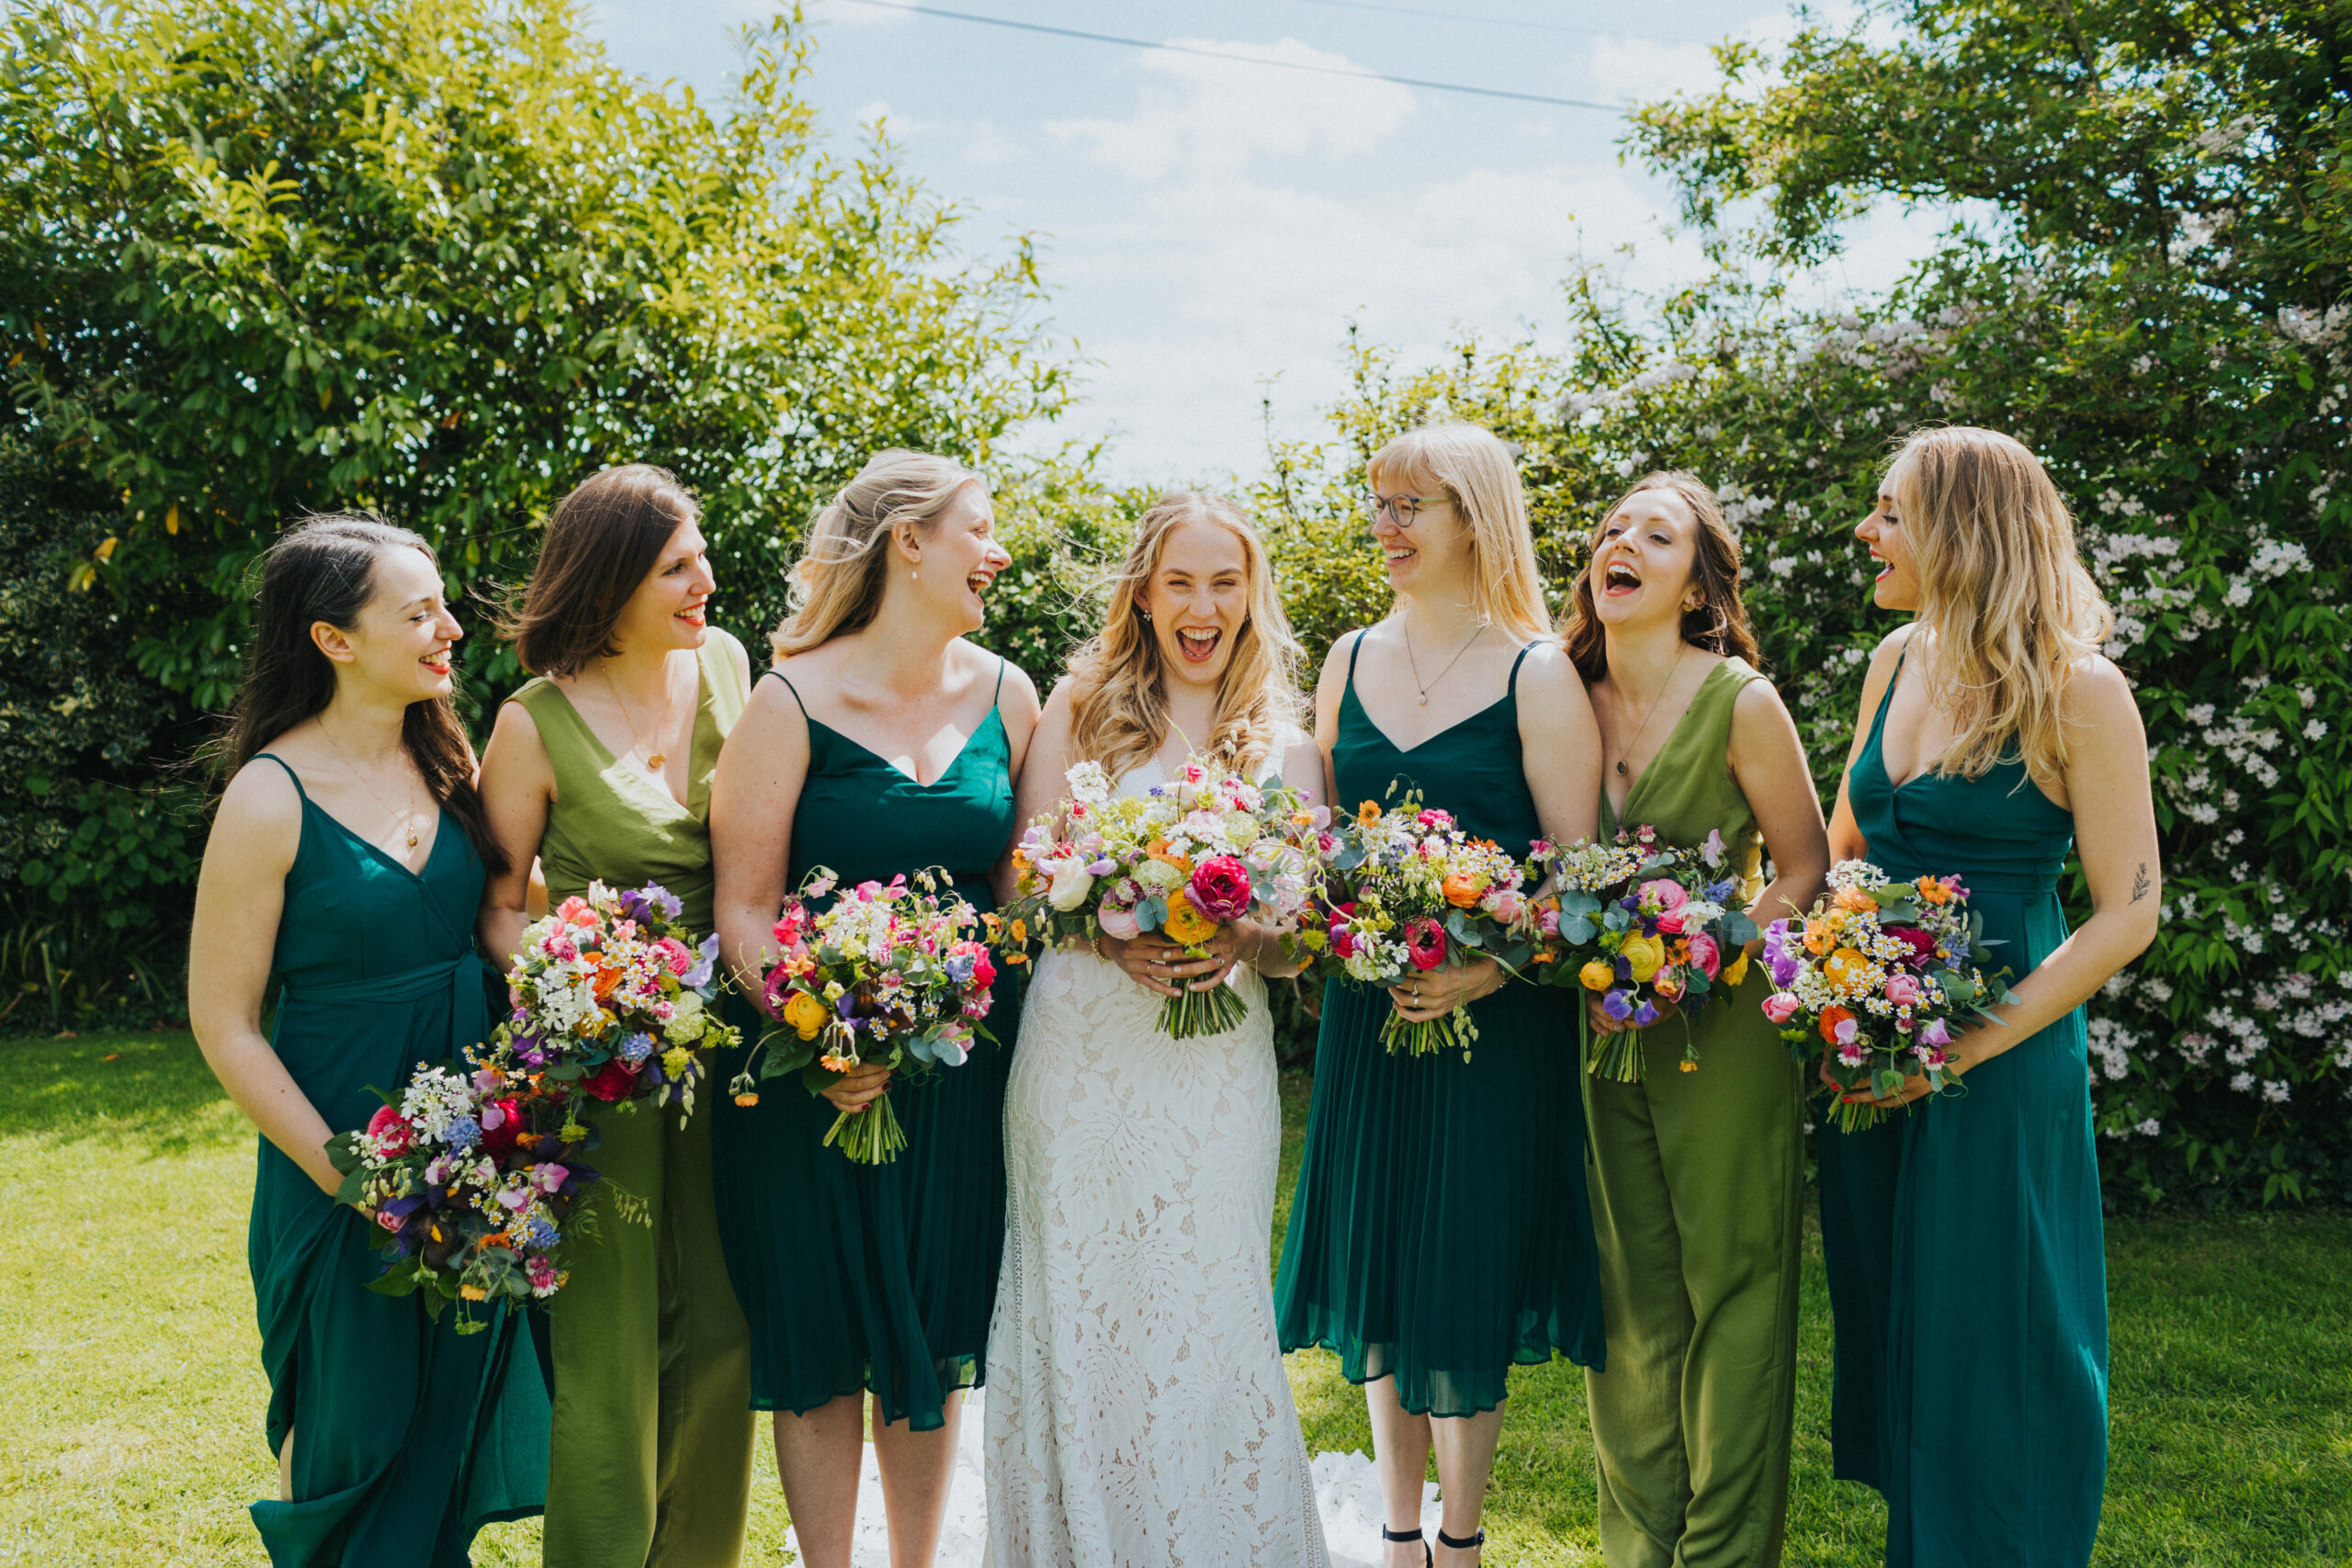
(915, 576)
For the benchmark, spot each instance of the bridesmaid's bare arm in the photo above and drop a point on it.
(517, 787)
(1768, 763)
(1017, 709)
(240, 898)
(753, 794)
(1846, 840)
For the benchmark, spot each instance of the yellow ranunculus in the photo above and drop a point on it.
(1186, 924)
(1597, 976)
(1845, 969)
(1736, 970)
(1644, 953)
(805, 1015)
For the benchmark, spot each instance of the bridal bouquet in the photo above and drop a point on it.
(1408, 891)
(1877, 973)
(892, 976)
(615, 995)
(1184, 860)
(473, 1178)
(1660, 938)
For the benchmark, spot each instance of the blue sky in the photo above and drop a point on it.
(1210, 227)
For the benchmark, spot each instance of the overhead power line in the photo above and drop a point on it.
(1241, 59)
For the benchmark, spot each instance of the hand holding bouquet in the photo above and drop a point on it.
(615, 995)
(472, 1180)
(888, 976)
(1411, 892)
(1185, 861)
(1659, 942)
(1877, 973)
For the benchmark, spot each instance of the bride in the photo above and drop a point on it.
(1136, 1409)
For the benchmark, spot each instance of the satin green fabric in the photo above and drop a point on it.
(1440, 1232)
(651, 1462)
(1698, 1204)
(879, 1277)
(1964, 1242)
(408, 1437)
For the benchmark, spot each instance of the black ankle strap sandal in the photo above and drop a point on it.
(1450, 1544)
(1429, 1558)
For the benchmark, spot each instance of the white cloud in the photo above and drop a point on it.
(987, 145)
(1642, 69)
(846, 13)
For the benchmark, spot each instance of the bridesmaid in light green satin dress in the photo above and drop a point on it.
(1963, 1237)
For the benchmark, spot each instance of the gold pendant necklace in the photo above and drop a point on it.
(1645, 729)
(408, 794)
(654, 761)
(1449, 663)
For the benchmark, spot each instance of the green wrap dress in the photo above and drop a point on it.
(408, 1437)
(879, 1277)
(1440, 1232)
(1698, 1188)
(652, 1456)
(1963, 1237)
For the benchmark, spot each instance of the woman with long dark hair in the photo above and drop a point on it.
(346, 858)
(1698, 1178)
(601, 768)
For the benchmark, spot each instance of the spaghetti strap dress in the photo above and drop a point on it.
(1697, 1197)
(408, 1437)
(1963, 1239)
(877, 1277)
(652, 1460)
(1440, 1232)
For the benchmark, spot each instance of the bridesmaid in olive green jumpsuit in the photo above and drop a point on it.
(1697, 1176)
(601, 768)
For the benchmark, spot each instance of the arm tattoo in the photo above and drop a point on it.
(2140, 883)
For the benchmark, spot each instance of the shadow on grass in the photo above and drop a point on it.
(145, 1088)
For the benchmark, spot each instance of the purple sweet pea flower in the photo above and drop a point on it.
(1644, 1015)
(1618, 1005)
(706, 963)
(1785, 969)
(650, 896)
(1935, 1033)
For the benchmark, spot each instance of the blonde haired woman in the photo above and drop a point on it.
(1137, 1412)
(1964, 1240)
(1440, 1233)
(882, 742)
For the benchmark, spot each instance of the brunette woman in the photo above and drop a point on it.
(882, 742)
(1697, 1176)
(346, 858)
(1440, 1233)
(1963, 1239)
(600, 769)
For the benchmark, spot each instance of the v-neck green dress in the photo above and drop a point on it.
(1698, 1188)
(1440, 1233)
(879, 1277)
(408, 1437)
(652, 1449)
(1963, 1239)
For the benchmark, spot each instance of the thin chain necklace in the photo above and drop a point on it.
(653, 760)
(1670, 671)
(1426, 688)
(408, 792)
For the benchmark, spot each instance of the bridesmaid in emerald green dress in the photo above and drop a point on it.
(600, 767)
(1698, 1176)
(882, 744)
(1440, 1233)
(345, 860)
(1963, 1237)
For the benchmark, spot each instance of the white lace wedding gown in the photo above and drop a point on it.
(1136, 1409)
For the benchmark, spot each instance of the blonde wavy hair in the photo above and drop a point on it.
(2001, 592)
(1119, 705)
(837, 583)
(1474, 470)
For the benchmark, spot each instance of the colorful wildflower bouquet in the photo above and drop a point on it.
(473, 1180)
(1663, 935)
(614, 995)
(1411, 891)
(1186, 859)
(1877, 974)
(896, 976)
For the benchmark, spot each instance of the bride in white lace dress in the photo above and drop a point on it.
(1136, 1409)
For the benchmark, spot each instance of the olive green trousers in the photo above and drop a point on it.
(1696, 1182)
(651, 1463)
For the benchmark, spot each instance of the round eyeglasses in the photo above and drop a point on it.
(1403, 508)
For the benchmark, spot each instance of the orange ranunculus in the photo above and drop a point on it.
(1185, 924)
(1597, 976)
(1855, 899)
(1461, 891)
(607, 976)
(1820, 936)
(1846, 969)
(1831, 1017)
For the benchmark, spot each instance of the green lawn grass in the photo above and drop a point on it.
(130, 1398)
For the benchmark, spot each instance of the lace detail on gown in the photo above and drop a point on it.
(1138, 1411)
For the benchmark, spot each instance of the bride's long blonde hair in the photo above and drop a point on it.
(2001, 592)
(1119, 707)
